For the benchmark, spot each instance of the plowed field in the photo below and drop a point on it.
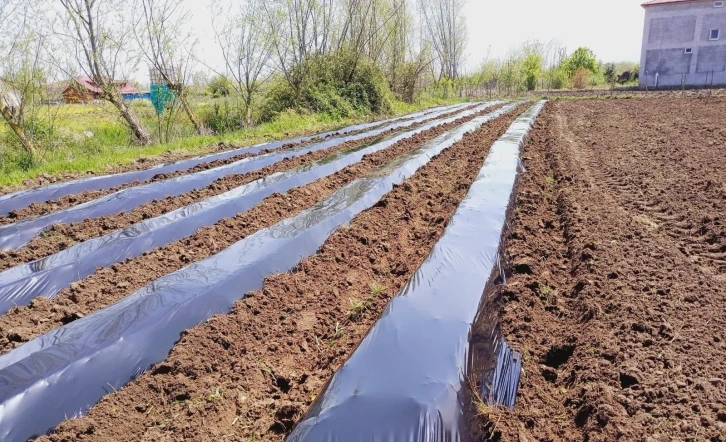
(618, 251)
(610, 284)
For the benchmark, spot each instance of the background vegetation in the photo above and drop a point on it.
(290, 66)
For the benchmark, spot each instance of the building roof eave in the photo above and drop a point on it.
(666, 2)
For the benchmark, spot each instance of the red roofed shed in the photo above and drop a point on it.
(85, 90)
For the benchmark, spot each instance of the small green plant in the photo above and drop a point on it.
(265, 369)
(376, 289)
(339, 331)
(216, 396)
(356, 308)
(163, 425)
(49, 233)
(196, 403)
(546, 292)
(550, 181)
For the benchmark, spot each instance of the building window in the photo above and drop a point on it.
(718, 4)
(715, 34)
(689, 51)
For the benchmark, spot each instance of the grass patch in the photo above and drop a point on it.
(376, 289)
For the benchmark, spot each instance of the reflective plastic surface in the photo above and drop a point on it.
(24, 198)
(14, 236)
(64, 372)
(47, 276)
(406, 380)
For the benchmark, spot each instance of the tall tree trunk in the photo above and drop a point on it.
(190, 113)
(140, 132)
(248, 112)
(18, 131)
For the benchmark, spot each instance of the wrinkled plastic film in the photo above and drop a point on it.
(66, 371)
(407, 379)
(24, 198)
(16, 235)
(47, 276)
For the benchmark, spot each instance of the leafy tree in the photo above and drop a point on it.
(610, 75)
(219, 86)
(582, 58)
(532, 68)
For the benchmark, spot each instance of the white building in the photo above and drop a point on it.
(684, 42)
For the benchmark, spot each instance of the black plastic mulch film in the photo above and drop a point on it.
(48, 276)
(407, 379)
(63, 373)
(16, 235)
(24, 198)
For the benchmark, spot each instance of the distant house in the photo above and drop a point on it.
(684, 42)
(85, 90)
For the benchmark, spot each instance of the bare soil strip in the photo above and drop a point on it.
(38, 209)
(617, 248)
(109, 285)
(61, 236)
(250, 374)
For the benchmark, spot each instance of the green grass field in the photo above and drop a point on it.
(81, 138)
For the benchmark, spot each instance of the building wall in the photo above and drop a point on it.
(72, 95)
(671, 28)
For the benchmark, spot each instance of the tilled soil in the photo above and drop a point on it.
(61, 236)
(250, 374)
(618, 253)
(111, 284)
(633, 93)
(37, 209)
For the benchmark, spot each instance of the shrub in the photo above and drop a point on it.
(609, 73)
(223, 117)
(219, 86)
(580, 78)
(339, 85)
(558, 78)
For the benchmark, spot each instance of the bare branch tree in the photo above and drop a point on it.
(97, 37)
(367, 28)
(246, 47)
(20, 71)
(298, 29)
(444, 20)
(167, 48)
